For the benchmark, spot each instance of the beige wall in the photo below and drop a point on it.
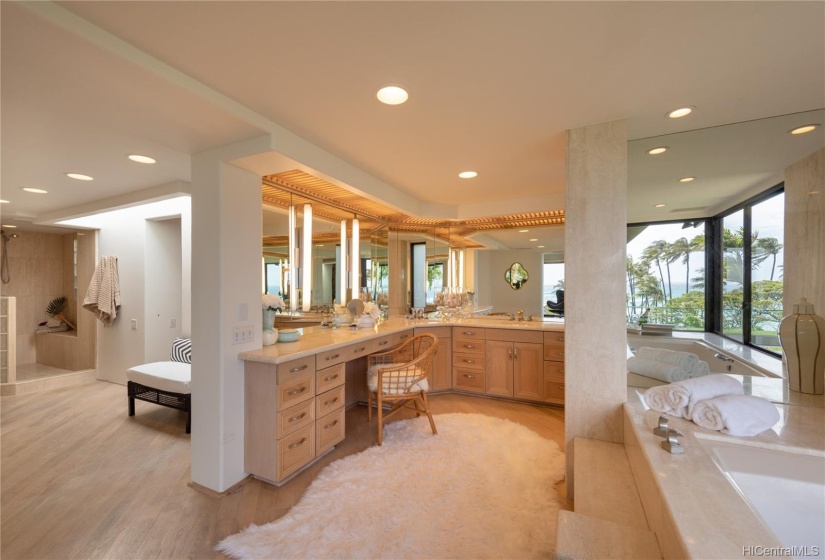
(490, 267)
(804, 274)
(594, 279)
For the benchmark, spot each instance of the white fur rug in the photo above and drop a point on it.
(481, 488)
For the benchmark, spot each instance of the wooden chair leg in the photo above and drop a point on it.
(369, 405)
(417, 410)
(380, 419)
(427, 411)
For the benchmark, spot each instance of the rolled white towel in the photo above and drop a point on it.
(683, 360)
(679, 398)
(736, 415)
(656, 370)
(657, 398)
(700, 370)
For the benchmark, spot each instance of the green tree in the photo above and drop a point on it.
(681, 248)
(687, 311)
(656, 252)
(769, 247)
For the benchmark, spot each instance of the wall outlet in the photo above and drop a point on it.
(172, 323)
(134, 324)
(243, 334)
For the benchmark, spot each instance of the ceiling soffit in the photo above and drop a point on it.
(335, 203)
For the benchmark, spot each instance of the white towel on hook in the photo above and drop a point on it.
(736, 415)
(103, 296)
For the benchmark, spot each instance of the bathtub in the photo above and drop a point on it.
(719, 359)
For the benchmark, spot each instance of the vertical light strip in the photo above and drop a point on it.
(342, 262)
(356, 259)
(306, 246)
(451, 268)
(460, 282)
(293, 262)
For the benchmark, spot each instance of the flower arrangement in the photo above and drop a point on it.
(272, 303)
(372, 310)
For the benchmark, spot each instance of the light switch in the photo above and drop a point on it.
(243, 312)
(172, 323)
(134, 324)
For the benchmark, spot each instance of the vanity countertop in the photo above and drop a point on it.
(711, 518)
(317, 339)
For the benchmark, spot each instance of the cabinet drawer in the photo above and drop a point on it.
(289, 371)
(464, 346)
(554, 346)
(358, 350)
(399, 337)
(440, 332)
(327, 378)
(382, 344)
(299, 390)
(329, 401)
(553, 390)
(514, 335)
(295, 451)
(554, 370)
(468, 333)
(295, 417)
(330, 358)
(468, 379)
(329, 430)
(469, 361)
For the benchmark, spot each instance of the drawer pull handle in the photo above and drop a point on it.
(359, 349)
(469, 333)
(328, 358)
(560, 339)
(331, 377)
(469, 346)
(329, 402)
(331, 424)
(296, 418)
(560, 353)
(383, 343)
(302, 368)
(559, 386)
(297, 391)
(469, 376)
(297, 443)
(469, 361)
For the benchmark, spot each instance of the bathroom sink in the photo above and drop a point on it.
(785, 488)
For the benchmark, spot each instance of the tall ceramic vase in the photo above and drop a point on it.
(802, 335)
(270, 333)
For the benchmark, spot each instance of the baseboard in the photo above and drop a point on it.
(214, 494)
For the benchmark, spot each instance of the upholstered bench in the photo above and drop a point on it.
(164, 383)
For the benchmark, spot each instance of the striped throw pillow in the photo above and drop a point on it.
(182, 350)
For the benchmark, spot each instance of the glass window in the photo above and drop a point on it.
(666, 274)
(767, 227)
(733, 274)
(553, 283)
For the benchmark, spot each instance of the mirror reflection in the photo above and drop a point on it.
(516, 276)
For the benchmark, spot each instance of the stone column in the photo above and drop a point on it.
(594, 280)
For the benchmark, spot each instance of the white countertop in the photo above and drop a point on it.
(318, 339)
(712, 520)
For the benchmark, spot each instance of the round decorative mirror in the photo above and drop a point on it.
(516, 276)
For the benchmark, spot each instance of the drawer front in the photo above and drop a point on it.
(358, 350)
(553, 390)
(468, 380)
(399, 337)
(382, 344)
(327, 378)
(554, 346)
(329, 430)
(329, 401)
(464, 346)
(440, 332)
(514, 335)
(329, 358)
(554, 370)
(289, 371)
(468, 333)
(295, 418)
(301, 389)
(469, 361)
(295, 451)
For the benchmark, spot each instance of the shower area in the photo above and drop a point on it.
(47, 340)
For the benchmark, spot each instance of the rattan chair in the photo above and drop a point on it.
(399, 377)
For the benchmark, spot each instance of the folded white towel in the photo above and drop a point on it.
(679, 399)
(684, 360)
(656, 370)
(736, 415)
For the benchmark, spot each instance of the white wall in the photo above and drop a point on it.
(163, 287)
(494, 290)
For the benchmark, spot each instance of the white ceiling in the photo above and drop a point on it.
(493, 87)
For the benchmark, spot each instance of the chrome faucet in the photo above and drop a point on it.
(520, 314)
(723, 357)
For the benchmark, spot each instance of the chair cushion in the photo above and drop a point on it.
(394, 382)
(182, 350)
(172, 377)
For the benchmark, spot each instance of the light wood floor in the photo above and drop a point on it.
(81, 479)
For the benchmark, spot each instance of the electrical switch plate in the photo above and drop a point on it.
(134, 324)
(172, 323)
(243, 334)
(243, 312)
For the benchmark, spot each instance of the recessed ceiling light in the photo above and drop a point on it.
(141, 159)
(687, 179)
(8, 226)
(660, 205)
(657, 151)
(534, 239)
(468, 174)
(35, 191)
(813, 192)
(3, 201)
(392, 95)
(804, 129)
(680, 112)
(80, 176)
(523, 230)
(540, 246)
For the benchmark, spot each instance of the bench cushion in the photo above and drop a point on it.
(172, 377)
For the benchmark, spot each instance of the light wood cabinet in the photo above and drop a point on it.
(514, 368)
(499, 368)
(528, 375)
(554, 367)
(441, 376)
(469, 359)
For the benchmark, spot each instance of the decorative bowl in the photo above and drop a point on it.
(288, 335)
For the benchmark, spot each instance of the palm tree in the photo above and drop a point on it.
(681, 248)
(697, 245)
(656, 251)
(769, 246)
